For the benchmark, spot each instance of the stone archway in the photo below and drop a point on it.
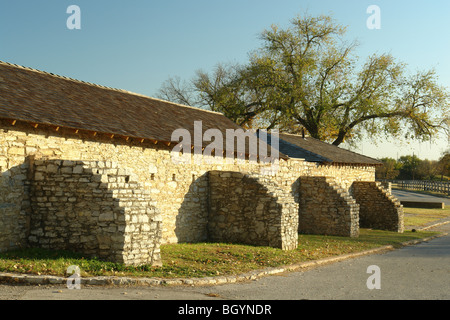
(251, 209)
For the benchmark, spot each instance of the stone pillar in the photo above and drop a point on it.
(386, 185)
(326, 208)
(378, 208)
(251, 209)
(95, 208)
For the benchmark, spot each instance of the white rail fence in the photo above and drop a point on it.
(435, 186)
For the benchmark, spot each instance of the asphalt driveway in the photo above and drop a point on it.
(403, 195)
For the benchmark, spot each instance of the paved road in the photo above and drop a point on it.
(415, 272)
(414, 196)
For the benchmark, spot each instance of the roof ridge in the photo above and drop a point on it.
(330, 144)
(325, 159)
(360, 154)
(104, 87)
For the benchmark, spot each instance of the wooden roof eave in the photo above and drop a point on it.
(94, 133)
(75, 130)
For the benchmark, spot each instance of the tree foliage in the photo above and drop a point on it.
(389, 170)
(412, 167)
(443, 167)
(308, 76)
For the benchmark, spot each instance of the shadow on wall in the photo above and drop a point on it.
(225, 206)
(73, 209)
(251, 209)
(14, 207)
(91, 207)
(237, 207)
(326, 208)
(192, 218)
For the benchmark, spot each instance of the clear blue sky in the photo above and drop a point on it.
(136, 45)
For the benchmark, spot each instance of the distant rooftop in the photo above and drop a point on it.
(313, 150)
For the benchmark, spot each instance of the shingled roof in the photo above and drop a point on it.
(31, 95)
(44, 98)
(310, 149)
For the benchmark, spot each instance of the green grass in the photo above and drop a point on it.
(422, 217)
(204, 259)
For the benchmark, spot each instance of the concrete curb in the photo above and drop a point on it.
(423, 204)
(434, 225)
(28, 279)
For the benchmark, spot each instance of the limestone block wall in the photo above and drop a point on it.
(344, 175)
(14, 207)
(182, 191)
(378, 208)
(289, 172)
(251, 209)
(179, 191)
(327, 208)
(386, 186)
(95, 208)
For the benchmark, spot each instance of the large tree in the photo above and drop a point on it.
(443, 166)
(307, 76)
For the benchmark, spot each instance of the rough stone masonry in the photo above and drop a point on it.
(95, 208)
(89, 168)
(251, 209)
(120, 201)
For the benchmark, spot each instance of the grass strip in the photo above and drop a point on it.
(204, 259)
(421, 217)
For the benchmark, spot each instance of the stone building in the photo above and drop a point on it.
(91, 169)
